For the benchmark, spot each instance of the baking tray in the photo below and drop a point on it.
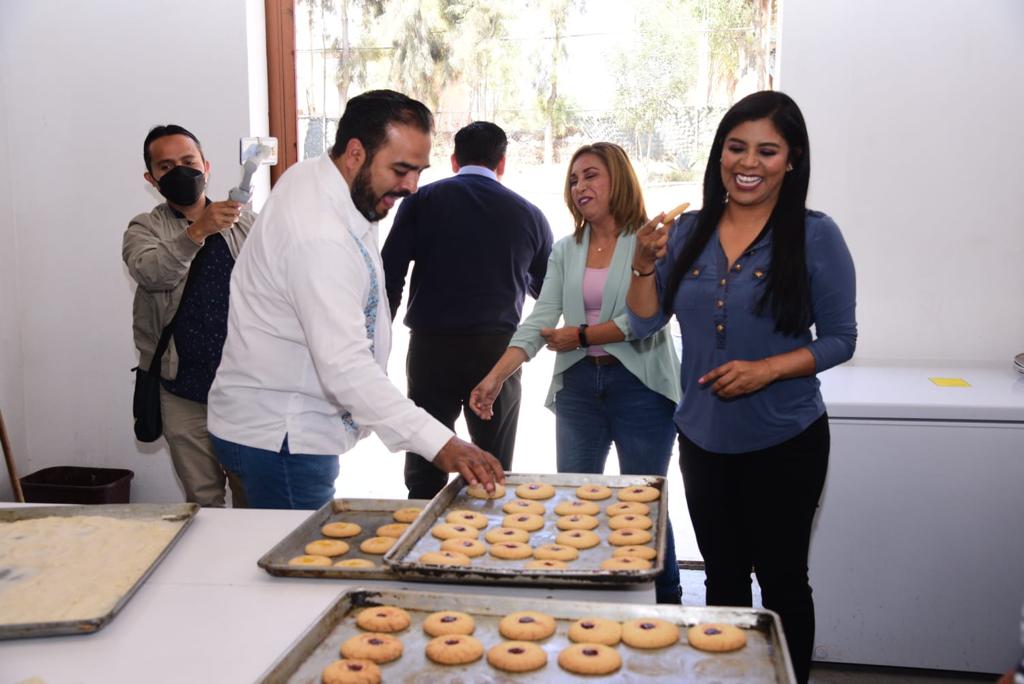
(367, 513)
(585, 571)
(764, 659)
(170, 512)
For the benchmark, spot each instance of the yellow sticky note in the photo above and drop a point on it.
(950, 382)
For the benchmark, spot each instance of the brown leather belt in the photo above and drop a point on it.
(606, 360)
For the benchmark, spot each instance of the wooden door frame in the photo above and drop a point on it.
(281, 83)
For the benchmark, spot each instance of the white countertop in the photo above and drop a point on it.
(905, 392)
(209, 614)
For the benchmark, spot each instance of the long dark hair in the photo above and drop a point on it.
(787, 290)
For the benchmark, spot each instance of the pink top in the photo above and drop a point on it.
(593, 295)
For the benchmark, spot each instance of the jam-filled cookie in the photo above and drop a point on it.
(630, 521)
(392, 530)
(471, 518)
(524, 506)
(590, 659)
(377, 545)
(560, 552)
(406, 515)
(511, 550)
(625, 563)
(506, 534)
(577, 522)
(592, 492)
(477, 491)
(546, 564)
(641, 493)
(351, 671)
(577, 507)
(523, 521)
(649, 633)
(454, 649)
(375, 646)
(358, 563)
(517, 656)
(450, 531)
(527, 625)
(627, 508)
(629, 537)
(444, 558)
(715, 637)
(535, 490)
(383, 619)
(595, 630)
(470, 547)
(310, 561)
(645, 552)
(448, 622)
(579, 539)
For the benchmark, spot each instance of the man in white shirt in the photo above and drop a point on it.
(302, 377)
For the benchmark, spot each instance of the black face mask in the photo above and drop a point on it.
(182, 185)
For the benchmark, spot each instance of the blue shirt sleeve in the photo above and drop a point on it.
(539, 267)
(833, 293)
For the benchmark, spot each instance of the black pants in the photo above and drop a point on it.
(755, 510)
(442, 370)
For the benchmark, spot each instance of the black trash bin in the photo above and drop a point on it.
(78, 485)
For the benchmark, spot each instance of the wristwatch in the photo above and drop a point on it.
(583, 335)
(638, 274)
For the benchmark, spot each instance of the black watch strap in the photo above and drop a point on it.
(583, 335)
(638, 274)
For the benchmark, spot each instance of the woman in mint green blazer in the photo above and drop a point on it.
(608, 386)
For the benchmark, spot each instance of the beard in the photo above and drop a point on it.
(365, 199)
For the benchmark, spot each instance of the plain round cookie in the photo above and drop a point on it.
(377, 545)
(454, 649)
(449, 531)
(351, 671)
(380, 648)
(503, 534)
(535, 490)
(527, 625)
(577, 522)
(593, 492)
(590, 659)
(444, 558)
(625, 563)
(546, 564)
(464, 517)
(630, 521)
(383, 619)
(340, 530)
(580, 539)
(477, 491)
(448, 622)
(596, 630)
(716, 637)
(523, 521)
(511, 550)
(627, 507)
(574, 507)
(641, 493)
(355, 563)
(524, 506)
(561, 552)
(406, 515)
(470, 547)
(517, 656)
(326, 547)
(649, 633)
(310, 561)
(629, 537)
(392, 530)
(645, 552)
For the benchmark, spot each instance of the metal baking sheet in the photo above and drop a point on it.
(584, 571)
(171, 512)
(367, 513)
(763, 660)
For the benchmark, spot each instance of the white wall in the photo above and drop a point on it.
(80, 86)
(914, 109)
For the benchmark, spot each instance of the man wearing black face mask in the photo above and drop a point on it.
(190, 239)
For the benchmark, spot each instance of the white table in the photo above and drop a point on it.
(209, 614)
(917, 557)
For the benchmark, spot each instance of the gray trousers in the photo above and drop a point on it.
(200, 473)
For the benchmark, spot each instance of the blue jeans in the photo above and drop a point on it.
(279, 479)
(599, 405)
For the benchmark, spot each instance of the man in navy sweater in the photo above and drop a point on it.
(477, 249)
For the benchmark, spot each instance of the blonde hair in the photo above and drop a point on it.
(626, 199)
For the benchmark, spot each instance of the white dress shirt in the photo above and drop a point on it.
(304, 356)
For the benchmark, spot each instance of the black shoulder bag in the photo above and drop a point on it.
(146, 400)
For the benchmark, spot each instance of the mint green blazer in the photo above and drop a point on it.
(653, 360)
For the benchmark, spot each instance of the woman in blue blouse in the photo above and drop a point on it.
(609, 385)
(747, 277)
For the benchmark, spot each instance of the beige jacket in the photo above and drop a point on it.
(158, 254)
